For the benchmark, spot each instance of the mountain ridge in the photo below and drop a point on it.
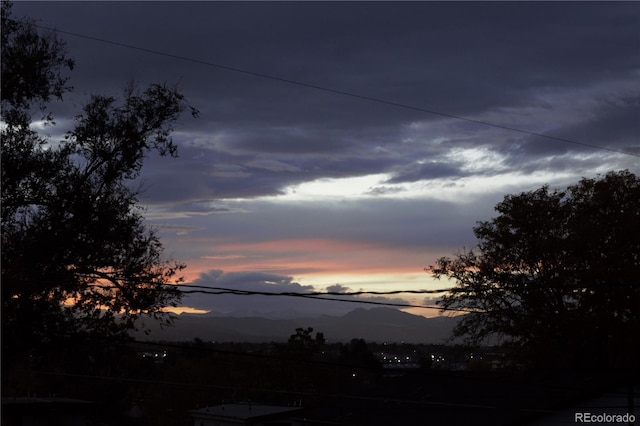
(379, 324)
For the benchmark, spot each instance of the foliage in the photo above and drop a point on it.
(555, 273)
(358, 354)
(32, 67)
(302, 345)
(77, 257)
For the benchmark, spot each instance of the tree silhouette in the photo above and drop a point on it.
(555, 274)
(77, 257)
(303, 345)
(358, 354)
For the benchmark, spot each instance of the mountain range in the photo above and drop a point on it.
(372, 325)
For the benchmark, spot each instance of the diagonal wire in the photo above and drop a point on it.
(316, 296)
(335, 91)
(320, 293)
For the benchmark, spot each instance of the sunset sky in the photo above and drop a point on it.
(280, 186)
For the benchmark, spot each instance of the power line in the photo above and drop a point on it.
(313, 295)
(316, 293)
(322, 296)
(335, 91)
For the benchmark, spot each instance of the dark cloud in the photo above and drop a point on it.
(611, 123)
(337, 288)
(457, 58)
(566, 69)
(465, 59)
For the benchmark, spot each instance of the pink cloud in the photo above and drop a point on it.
(310, 256)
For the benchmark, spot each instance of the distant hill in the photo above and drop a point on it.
(372, 325)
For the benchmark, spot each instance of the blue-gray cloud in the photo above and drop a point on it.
(567, 69)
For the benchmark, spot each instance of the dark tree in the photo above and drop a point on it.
(556, 274)
(77, 257)
(33, 67)
(302, 345)
(357, 354)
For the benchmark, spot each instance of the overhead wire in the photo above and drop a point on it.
(330, 293)
(336, 91)
(319, 295)
(323, 295)
(315, 295)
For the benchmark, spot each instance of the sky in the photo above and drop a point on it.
(281, 186)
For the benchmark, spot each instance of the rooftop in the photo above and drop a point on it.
(243, 411)
(32, 400)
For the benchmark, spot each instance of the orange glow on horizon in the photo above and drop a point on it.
(322, 263)
(184, 310)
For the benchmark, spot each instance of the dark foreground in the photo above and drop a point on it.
(339, 384)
